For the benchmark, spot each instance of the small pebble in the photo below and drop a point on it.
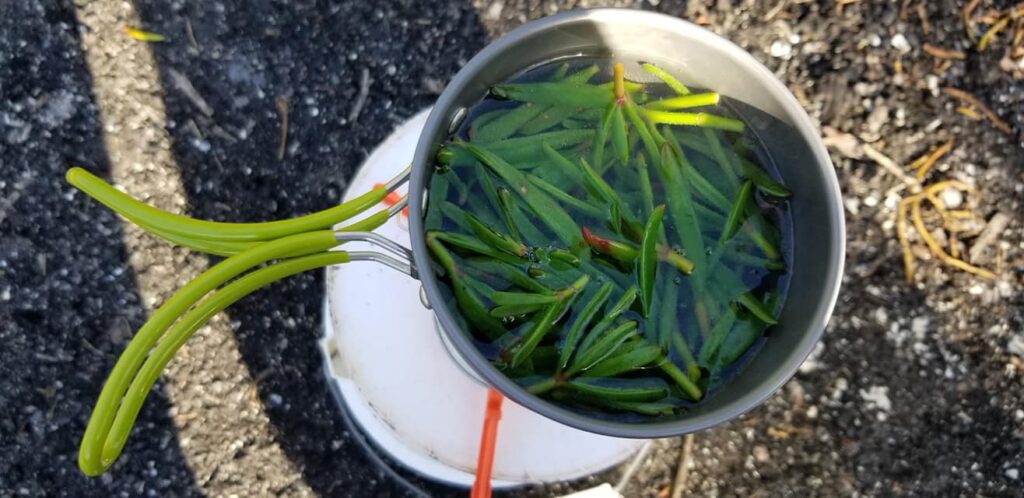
(976, 290)
(274, 400)
(877, 396)
(952, 198)
(1013, 474)
(881, 316)
(933, 84)
(1016, 345)
(899, 42)
(494, 11)
(780, 49)
(761, 454)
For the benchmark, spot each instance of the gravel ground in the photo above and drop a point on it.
(915, 391)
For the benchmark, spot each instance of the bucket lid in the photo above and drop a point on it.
(402, 386)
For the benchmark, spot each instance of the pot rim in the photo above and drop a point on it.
(440, 117)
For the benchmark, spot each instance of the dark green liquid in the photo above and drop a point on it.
(740, 263)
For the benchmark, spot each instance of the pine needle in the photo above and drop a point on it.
(145, 36)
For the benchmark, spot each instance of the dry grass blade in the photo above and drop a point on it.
(191, 34)
(993, 228)
(940, 207)
(914, 202)
(901, 233)
(364, 93)
(922, 14)
(936, 249)
(968, 10)
(932, 158)
(282, 109)
(969, 113)
(992, 32)
(943, 53)
(776, 9)
(889, 165)
(683, 471)
(970, 99)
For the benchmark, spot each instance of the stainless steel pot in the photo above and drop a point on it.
(708, 61)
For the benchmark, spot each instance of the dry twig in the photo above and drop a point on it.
(992, 32)
(913, 202)
(683, 471)
(970, 99)
(968, 10)
(282, 109)
(184, 85)
(943, 53)
(932, 158)
(922, 14)
(889, 165)
(969, 113)
(364, 92)
(191, 34)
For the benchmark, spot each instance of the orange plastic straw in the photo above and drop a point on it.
(485, 459)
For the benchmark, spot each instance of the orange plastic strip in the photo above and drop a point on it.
(392, 198)
(488, 440)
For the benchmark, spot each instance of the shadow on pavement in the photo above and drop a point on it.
(68, 299)
(241, 58)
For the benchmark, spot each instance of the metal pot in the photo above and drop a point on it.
(708, 61)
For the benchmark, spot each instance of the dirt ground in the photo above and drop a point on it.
(916, 389)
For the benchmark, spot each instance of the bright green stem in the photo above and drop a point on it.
(188, 325)
(573, 202)
(91, 453)
(648, 262)
(738, 211)
(682, 379)
(543, 386)
(692, 369)
(602, 135)
(163, 221)
(620, 251)
(543, 206)
(695, 119)
(684, 102)
(669, 80)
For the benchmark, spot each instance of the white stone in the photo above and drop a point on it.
(781, 49)
(1016, 345)
(952, 198)
(1013, 474)
(494, 11)
(877, 396)
(841, 386)
(881, 316)
(933, 84)
(899, 42)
